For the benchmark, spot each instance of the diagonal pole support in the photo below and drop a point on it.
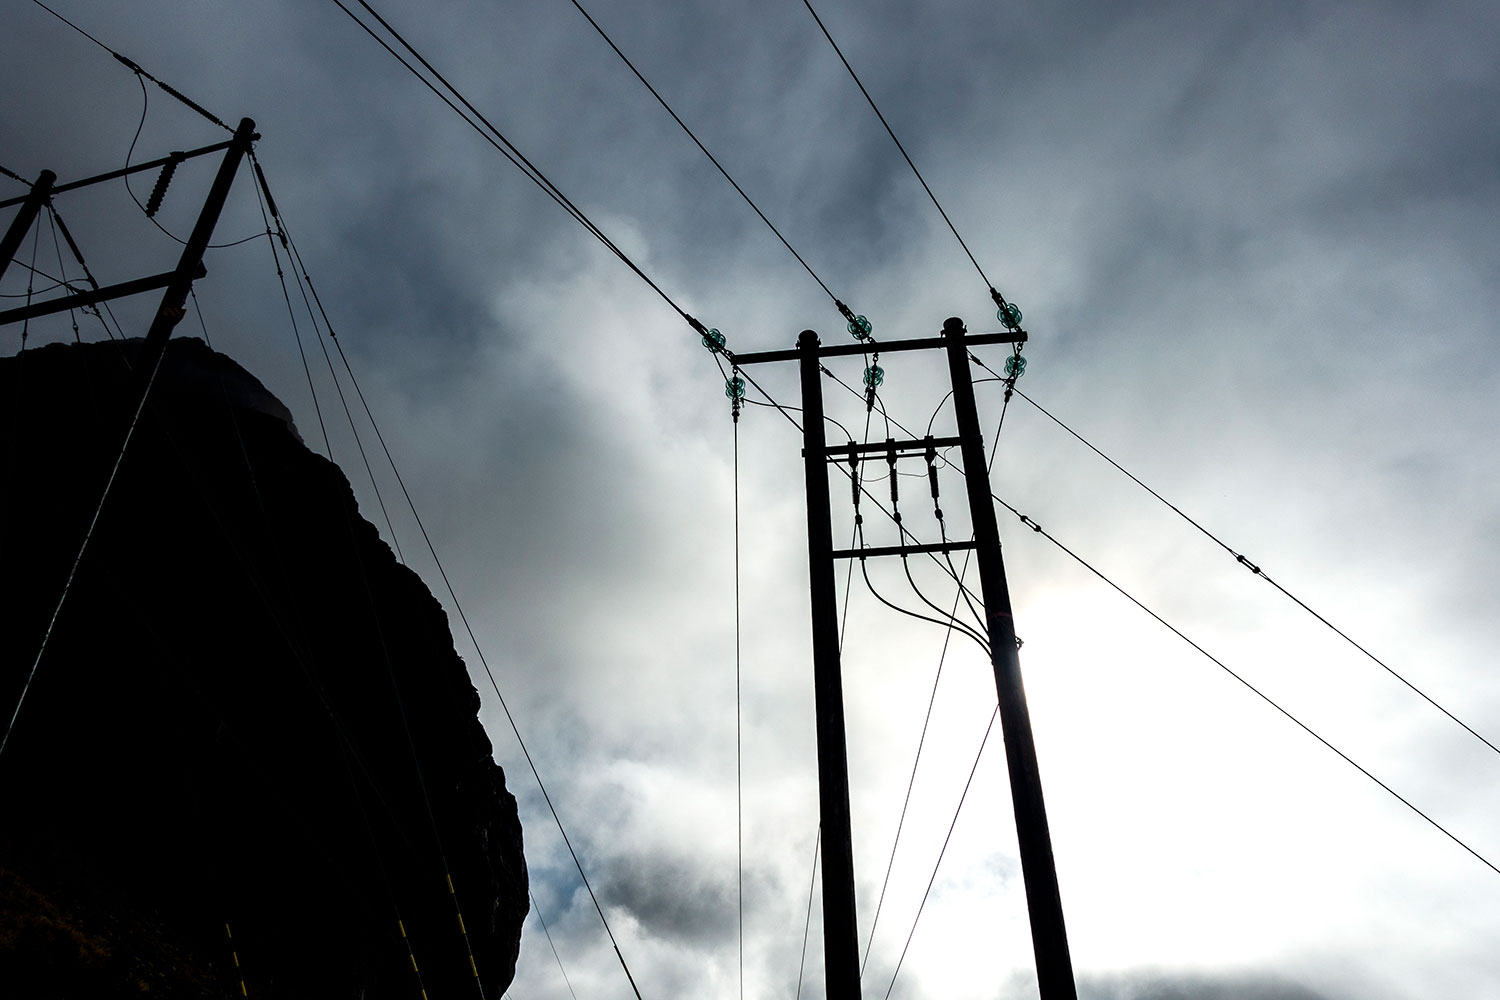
(25, 216)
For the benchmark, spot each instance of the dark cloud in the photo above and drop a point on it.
(1185, 986)
(672, 897)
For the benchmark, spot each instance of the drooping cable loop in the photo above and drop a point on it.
(962, 626)
(951, 622)
(167, 171)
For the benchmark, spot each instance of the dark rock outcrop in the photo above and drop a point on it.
(236, 713)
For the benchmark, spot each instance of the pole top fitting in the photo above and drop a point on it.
(807, 339)
(952, 326)
(45, 180)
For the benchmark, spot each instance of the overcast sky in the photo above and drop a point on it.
(1258, 254)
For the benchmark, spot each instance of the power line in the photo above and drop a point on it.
(166, 173)
(537, 909)
(75, 27)
(1253, 689)
(1254, 568)
(844, 310)
(995, 295)
(812, 880)
(960, 593)
(138, 71)
(506, 148)
(479, 649)
(359, 559)
(109, 483)
(943, 850)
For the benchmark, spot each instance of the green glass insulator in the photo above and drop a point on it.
(859, 328)
(734, 388)
(874, 375)
(1010, 315)
(1015, 366)
(714, 341)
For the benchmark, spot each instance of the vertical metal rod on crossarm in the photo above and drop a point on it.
(21, 224)
(1049, 936)
(840, 933)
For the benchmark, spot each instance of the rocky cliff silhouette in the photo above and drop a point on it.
(236, 714)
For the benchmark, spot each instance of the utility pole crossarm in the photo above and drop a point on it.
(871, 347)
(94, 296)
(134, 168)
(901, 550)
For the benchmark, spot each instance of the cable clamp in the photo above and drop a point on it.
(1030, 523)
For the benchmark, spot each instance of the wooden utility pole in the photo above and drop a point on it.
(840, 942)
(1049, 935)
(840, 932)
